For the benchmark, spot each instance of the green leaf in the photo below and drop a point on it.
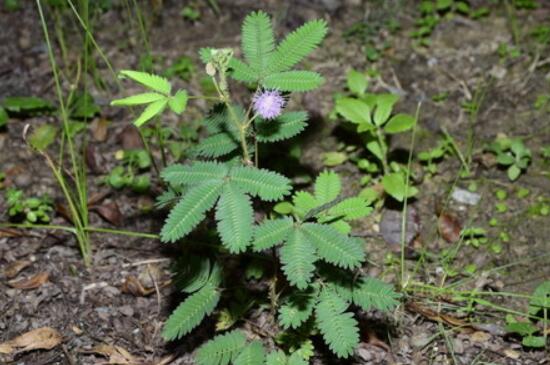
(277, 357)
(257, 40)
(235, 219)
(297, 81)
(355, 111)
(303, 203)
(271, 232)
(43, 136)
(399, 123)
(285, 126)
(384, 106)
(205, 54)
(222, 349)
(252, 354)
(26, 104)
(394, 185)
(150, 81)
(190, 313)
(327, 187)
(521, 328)
(338, 327)
(191, 273)
(151, 111)
(334, 158)
(215, 146)
(197, 173)
(297, 308)
(190, 210)
(540, 299)
(375, 148)
(334, 247)
(138, 99)
(350, 209)
(241, 71)
(3, 117)
(267, 185)
(297, 45)
(534, 341)
(513, 172)
(178, 102)
(375, 294)
(298, 258)
(357, 82)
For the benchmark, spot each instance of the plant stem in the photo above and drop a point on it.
(384, 149)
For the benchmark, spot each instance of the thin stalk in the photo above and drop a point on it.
(406, 199)
(384, 148)
(79, 208)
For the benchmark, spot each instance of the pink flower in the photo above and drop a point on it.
(268, 104)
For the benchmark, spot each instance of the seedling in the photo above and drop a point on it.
(512, 154)
(474, 236)
(374, 117)
(127, 175)
(430, 157)
(29, 210)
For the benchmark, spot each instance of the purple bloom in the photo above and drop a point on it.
(268, 104)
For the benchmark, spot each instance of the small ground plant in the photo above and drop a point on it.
(308, 247)
(28, 210)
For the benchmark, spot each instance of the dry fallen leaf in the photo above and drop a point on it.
(15, 268)
(449, 227)
(109, 211)
(132, 285)
(44, 338)
(480, 336)
(129, 138)
(99, 129)
(511, 354)
(92, 159)
(33, 282)
(10, 232)
(116, 355)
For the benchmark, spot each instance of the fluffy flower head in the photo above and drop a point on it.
(268, 104)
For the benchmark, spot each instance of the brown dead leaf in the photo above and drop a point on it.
(97, 197)
(99, 129)
(511, 354)
(44, 338)
(33, 282)
(92, 159)
(133, 286)
(116, 355)
(10, 232)
(129, 138)
(449, 227)
(109, 211)
(15, 268)
(480, 336)
(436, 317)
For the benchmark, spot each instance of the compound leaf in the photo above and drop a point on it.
(235, 219)
(190, 210)
(298, 258)
(252, 354)
(222, 349)
(286, 126)
(138, 99)
(271, 232)
(327, 187)
(215, 146)
(257, 40)
(297, 309)
(150, 81)
(297, 81)
(195, 173)
(267, 185)
(152, 110)
(372, 293)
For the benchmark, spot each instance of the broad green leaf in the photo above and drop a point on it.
(399, 123)
(150, 81)
(43, 136)
(357, 82)
(375, 148)
(541, 298)
(394, 185)
(534, 341)
(513, 172)
(334, 158)
(355, 111)
(178, 102)
(26, 104)
(3, 117)
(384, 106)
(152, 110)
(138, 99)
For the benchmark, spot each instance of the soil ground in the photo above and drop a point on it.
(104, 304)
